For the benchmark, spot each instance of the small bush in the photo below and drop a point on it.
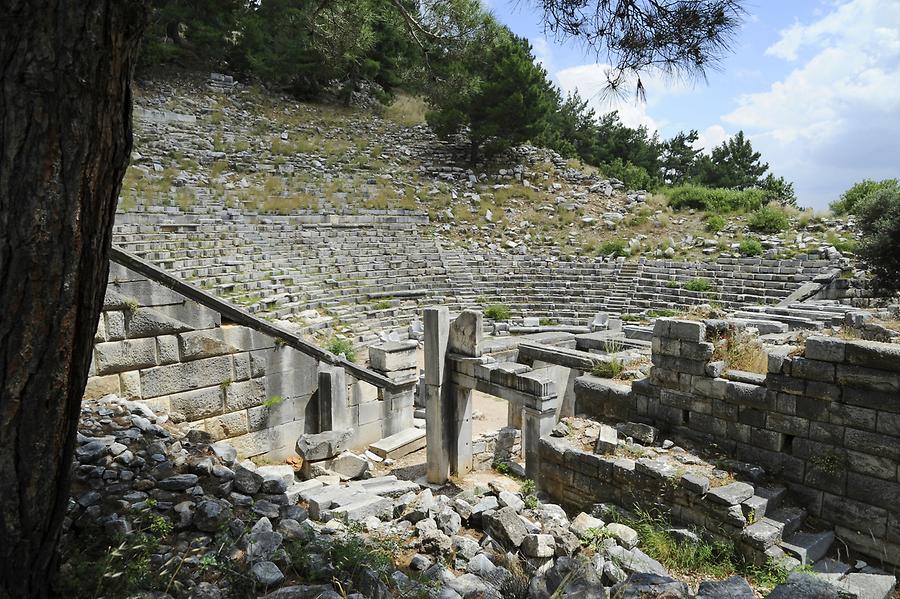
(382, 304)
(338, 346)
(751, 247)
(879, 223)
(853, 196)
(715, 200)
(633, 176)
(497, 312)
(714, 223)
(769, 220)
(613, 247)
(609, 369)
(698, 284)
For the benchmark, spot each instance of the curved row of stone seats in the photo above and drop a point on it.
(373, 276)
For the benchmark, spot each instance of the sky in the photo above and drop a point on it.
(815, 84)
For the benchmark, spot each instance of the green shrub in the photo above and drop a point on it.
(338, 345)
(698, 285)
(613, 247)
(879, 222)
(633, 176)
(609, 369)
(751, 247)
(497, 312)
(714, 223)
(769, 220)
(715, 200)
(854, 195)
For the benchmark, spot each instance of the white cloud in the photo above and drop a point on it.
(711, 137)
(590, 81)
(833, 119)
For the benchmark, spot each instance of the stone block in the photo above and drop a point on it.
(827, 349)
(198, 404)
(241, 366)
(174, 378)
(856, 515)
(227, 425)
(437, 331)
(731, 494)
(868, 378)
(709, 387)
(130, 383)
(244, 394)
(167, 349)
(393, 355)
(813, 370)
(745, 394)
(873, 491)
(465, 334)
(872, 354)
(146, 322)
(119, 356)
(115, 325)
(687, 330)
(98, 386)
(872, 443)
(789, 425)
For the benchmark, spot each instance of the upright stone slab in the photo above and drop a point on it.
(334, 410)
(461, 433)
(437, 406)
(466, 334)
(536, 423)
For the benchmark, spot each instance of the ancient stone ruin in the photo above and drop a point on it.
(759, 416)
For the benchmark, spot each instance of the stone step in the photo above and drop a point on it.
(399, 444)
(808, 547)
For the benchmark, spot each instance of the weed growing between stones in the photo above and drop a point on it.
(715, 558)
(339, 346)
(701, 285)
(741, 350)
(609, 369)
(497, 312)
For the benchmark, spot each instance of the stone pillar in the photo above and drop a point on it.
(461, 431)
(514, 414)
(397, 361)
(465, 338)
(537, 420)
(437, 413)
(334, 410)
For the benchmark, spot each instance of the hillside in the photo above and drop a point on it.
(206, 151)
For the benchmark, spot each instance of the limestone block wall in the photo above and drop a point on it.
(232, 381)
(826, 420)
(496, 446)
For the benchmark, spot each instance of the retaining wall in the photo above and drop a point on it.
(824, 418)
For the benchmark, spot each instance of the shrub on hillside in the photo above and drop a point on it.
(613, 247)
(632, 175)
(769, 220)
(701, 285)
(878, 217)
(853, 196)
(750, 247)
(715, 200)
(497, 312)
(714, 223)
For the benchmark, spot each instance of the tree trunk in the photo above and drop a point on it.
(65, 141)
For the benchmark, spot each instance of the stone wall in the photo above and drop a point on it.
(234, 382)
(824, 418)
(503, 445)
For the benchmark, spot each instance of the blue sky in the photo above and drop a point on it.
(814, 83)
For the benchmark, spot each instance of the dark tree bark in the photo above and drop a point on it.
(65, 140)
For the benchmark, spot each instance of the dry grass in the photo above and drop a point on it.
(741, 350)
(406, 110)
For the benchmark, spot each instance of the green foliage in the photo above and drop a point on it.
(528, 487)
(493, 88)
(382, 304)
(769, 220)
(502, 468)
(613, 247)
(339, 345)
(610, 368)
(853, 196)
(632, 175)
(878, 220)
(662, 312)
(714, 223)
(750, 247)
(531, 502)
(716, 200)
(732, 165)
(679, 157)
(698, 284)
(779, 190)
(274, 401)
(497, 312)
